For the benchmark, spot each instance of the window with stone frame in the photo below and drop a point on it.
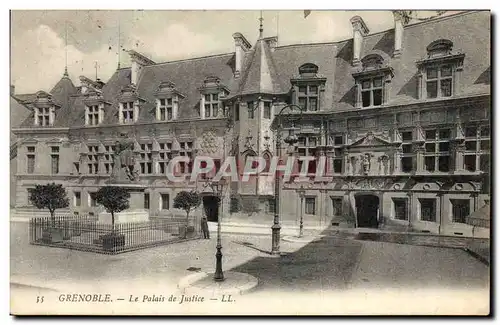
(108, 158)
(308, 87)
(337, 206)
(267, 110)
(77, 198)
(400, 208)
(128, 112)
(92, 112)
(146, 158)
(438, 71)
(30, 168)
(164, 201)
(372, 81)
(372, 91)
(93, 159)
(186, 151)
(146, 201)
(427, 209)
(439, 81)
(460, 210)
(477, 148)
(310, 205)
(54, 159)
(43, 115)
(166, 109)
(407, 154)
(212, 105)
(237, 112)
(437, 150)
(92, 199)
(251, 110)
(164, 156)
(307, 147)
(338, 159)
(308, 98)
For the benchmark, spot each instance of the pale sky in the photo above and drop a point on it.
(38, 37)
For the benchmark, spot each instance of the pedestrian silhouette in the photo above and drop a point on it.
(204, 227)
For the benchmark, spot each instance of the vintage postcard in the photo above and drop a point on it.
(257, 162)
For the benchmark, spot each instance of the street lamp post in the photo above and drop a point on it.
(301, 193)
(218, 188)
(291, 140)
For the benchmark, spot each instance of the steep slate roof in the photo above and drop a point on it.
(259, 72)
(188, 76)
(18, 113)
(268, 70)
(469, 32)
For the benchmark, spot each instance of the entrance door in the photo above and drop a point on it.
(366, 210)
(211, 208)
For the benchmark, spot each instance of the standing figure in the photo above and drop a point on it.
(204, 227)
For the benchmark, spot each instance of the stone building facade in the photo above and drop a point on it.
(402, 117)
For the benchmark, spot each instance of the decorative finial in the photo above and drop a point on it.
(65, 49)
(261, 29)
(65, 72)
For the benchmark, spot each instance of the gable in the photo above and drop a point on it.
(369, 141)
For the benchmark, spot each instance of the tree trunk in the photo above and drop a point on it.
(187, 218)
(52, 218)
(113, 221)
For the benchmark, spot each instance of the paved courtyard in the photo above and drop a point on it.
(333, 275)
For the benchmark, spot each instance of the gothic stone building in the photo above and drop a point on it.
(402, 117)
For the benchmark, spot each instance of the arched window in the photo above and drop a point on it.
(267, 159)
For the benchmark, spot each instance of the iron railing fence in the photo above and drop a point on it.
(87, 234)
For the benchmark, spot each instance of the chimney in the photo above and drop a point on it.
(139, 61)
(241, 45)
(359, 30)
(12, 90)
(398, 33)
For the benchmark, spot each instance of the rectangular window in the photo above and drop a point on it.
(460, 210)
(310, 205)
(267, 110)
(251, 110)
(337, 206)
(146, 158)
(407, 154)
(146, 201)
(78, 199)
(400, 209)
(93, 115)
(31, 164)
(54, 159)
(437, 150)
(93, 201)
(470, 162)
(165, 201)
(211, 105)
(337, 165)
(484, 163)
(93, 159)
(166, 109)
(237, 112)
(43, 116)
(128, 112)
(338, 140)
(439, 81)
(371, 92)
(308, 98)
(270, 206)
(428, 209)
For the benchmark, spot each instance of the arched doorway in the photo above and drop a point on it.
(211, 208)
(367, 209)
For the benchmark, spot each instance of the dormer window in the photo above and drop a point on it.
(308, 88)
(212, 105)
(93, 115)
(128, 112)
(165, 109)
(212, 91)
(372, 81)
(439, 73)
(44, 109)
(42, 116)
(167, 101)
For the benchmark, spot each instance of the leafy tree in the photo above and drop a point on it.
(51, 196)
(114, 199)
(187, 201)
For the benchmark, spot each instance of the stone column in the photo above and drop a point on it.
(418, 163)
(397, 160)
